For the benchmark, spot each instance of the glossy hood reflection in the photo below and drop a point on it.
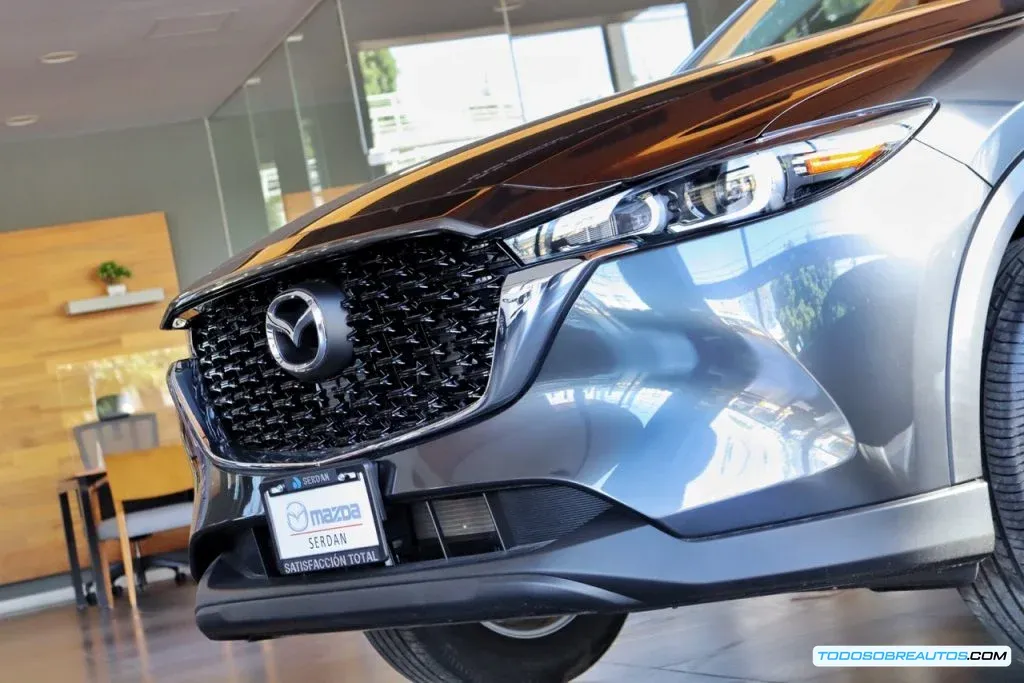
(527, 172)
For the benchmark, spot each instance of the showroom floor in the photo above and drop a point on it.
(765, 639)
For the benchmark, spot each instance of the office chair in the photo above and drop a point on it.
(121, 434)
(144, 476)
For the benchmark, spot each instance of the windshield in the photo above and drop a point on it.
(764, 23)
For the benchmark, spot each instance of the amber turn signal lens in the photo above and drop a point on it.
(840, 161)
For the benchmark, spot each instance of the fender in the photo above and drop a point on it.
(997, 223)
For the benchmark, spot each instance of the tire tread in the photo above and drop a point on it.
(997, 595)
(469, 653)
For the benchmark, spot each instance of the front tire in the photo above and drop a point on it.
(997, 595)
(477, 653)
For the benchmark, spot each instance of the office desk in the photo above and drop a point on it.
(79, 484)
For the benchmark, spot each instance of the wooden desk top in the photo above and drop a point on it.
(68, 483)
(85, 474)
(72, 482)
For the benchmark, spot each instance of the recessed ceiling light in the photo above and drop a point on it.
(294, 38)
(254, 80)
(21, 120)
(59, 57)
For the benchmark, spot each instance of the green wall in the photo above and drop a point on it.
(161, 168)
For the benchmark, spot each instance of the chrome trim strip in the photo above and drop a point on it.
(531, 306)
(183, 306)
(184, 404)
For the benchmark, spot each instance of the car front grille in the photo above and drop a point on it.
(423, 315)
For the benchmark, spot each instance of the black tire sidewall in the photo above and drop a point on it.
(476, 654)
(1002, 398)
(997, 595)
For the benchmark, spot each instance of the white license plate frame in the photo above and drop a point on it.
(326, 519)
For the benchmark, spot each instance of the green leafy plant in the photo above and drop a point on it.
(380, 72)
(112, 272)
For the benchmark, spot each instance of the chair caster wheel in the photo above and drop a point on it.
(179, 579)
(91, 599)
(118, 591)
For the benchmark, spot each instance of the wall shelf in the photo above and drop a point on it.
(108, 303)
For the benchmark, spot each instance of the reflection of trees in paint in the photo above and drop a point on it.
(800, 299)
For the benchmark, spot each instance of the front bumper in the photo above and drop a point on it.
(775, 386)
(611, 568)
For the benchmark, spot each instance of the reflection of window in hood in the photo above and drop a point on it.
(794, 19)
(764, 23)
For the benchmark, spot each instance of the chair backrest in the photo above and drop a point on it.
(126, 433)
(150, 473)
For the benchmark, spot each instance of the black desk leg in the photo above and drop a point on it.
(69, 540)
(94, 546)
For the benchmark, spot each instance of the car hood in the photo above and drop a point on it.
(525, 173)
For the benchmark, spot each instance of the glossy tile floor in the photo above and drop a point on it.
(764, 639)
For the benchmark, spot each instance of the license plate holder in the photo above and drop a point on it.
(324, 519)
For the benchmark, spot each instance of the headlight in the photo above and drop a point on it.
(788, 168)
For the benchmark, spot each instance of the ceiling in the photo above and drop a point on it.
(141, 62)
(147, 62)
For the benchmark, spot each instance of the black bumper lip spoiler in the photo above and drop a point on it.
(462, 600)
(611, 567)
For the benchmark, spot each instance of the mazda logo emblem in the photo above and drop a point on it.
(298, 518)
(308, 332)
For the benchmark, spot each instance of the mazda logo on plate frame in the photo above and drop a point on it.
(307, 331)
(298, 516)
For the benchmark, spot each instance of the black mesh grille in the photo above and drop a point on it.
(423, 313)
(543, 513)
(497, 520)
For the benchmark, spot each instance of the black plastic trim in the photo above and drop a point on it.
(617, 566)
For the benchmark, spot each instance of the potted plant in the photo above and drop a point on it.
(112, 406)
(112, 272)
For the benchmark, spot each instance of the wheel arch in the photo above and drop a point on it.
(1000, 221)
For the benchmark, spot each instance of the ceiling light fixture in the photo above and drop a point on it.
(59, 57)
(254, 80)
(294, 38)
(21, 120)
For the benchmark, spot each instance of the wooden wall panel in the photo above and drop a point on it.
(52, 365)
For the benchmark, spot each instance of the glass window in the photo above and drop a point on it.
(656, 40)
(559, 70)
(242, 183)
(574, 57)
(330, 126)
(281, 159)
(427, 98)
